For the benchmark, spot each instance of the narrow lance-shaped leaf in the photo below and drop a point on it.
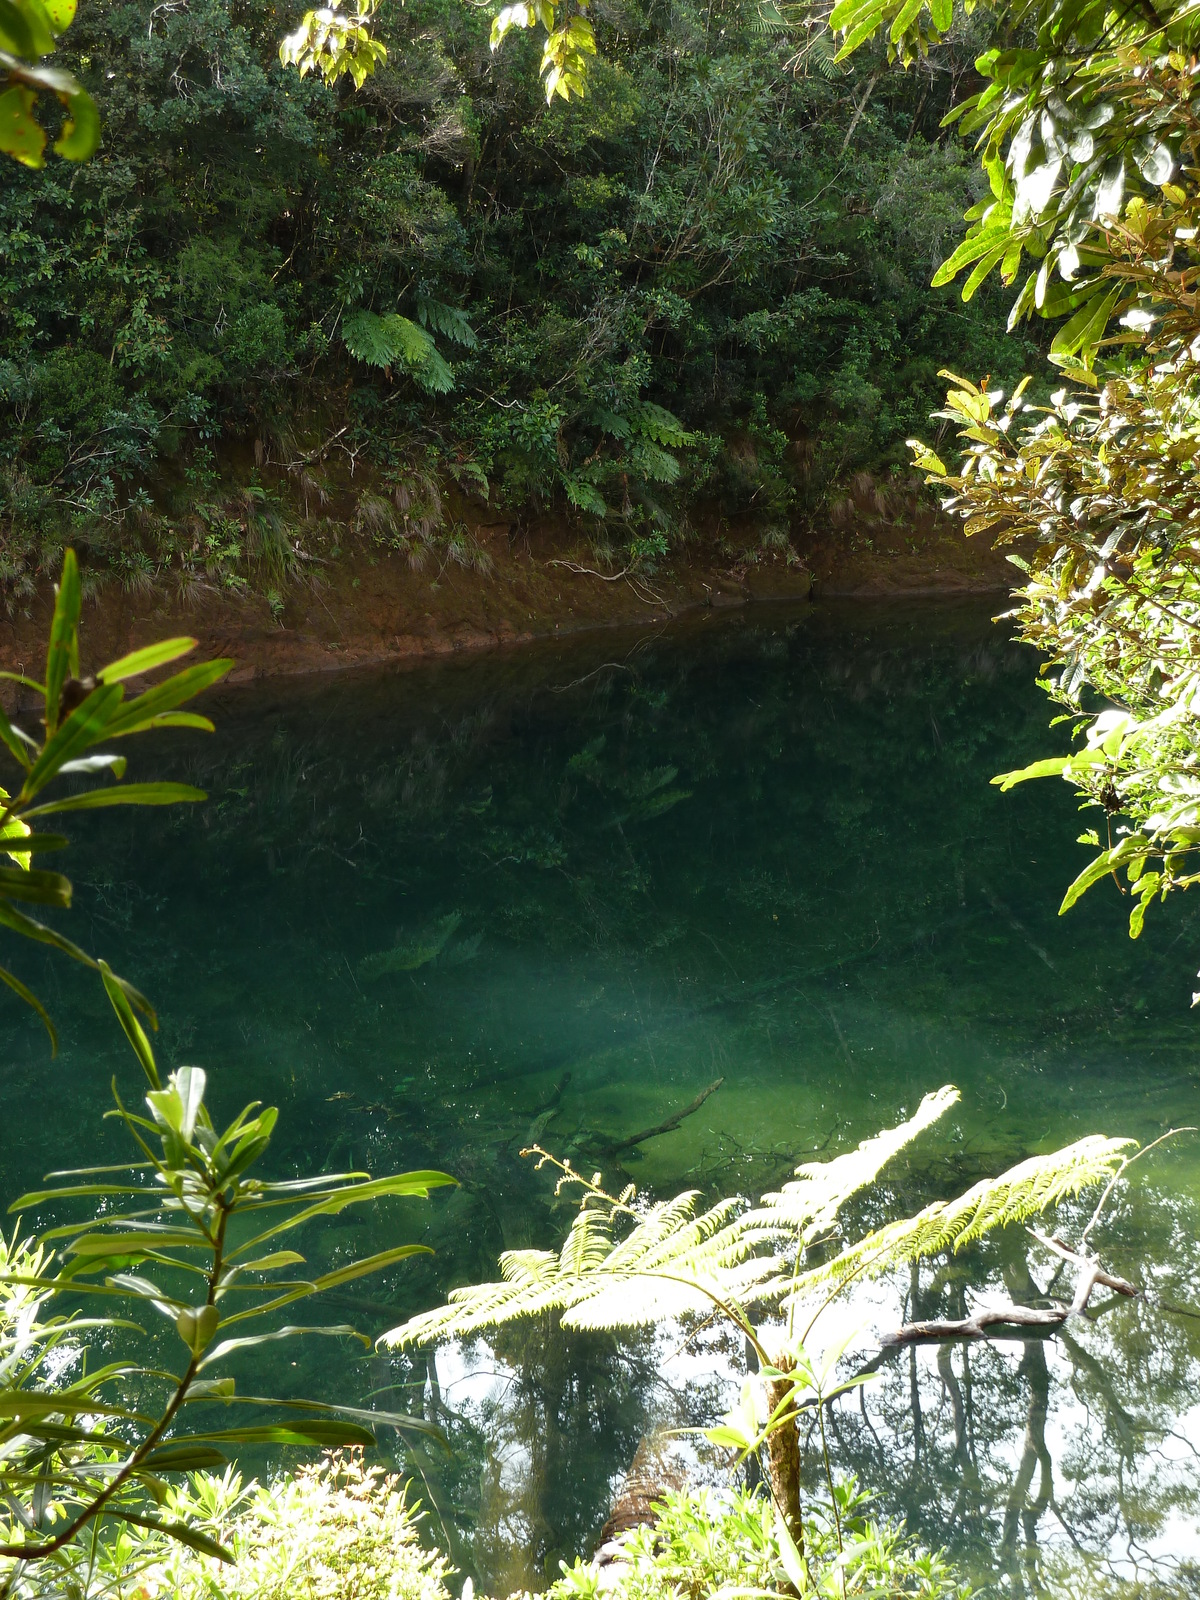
(62, 657)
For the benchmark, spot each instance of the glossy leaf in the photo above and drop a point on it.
(145, 659)
(132, 1028)
(62, 657)
(129, 794)
(85, 725)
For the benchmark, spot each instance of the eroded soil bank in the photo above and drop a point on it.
(374, 608)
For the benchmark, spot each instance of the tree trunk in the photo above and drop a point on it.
(783, 1457)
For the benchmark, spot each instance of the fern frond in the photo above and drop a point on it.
(367, 338)
(1021, 1192)
(659, 424)
(448, 321)
(396, 340)
(671, 1262)
(809, 1206)
(768, 19)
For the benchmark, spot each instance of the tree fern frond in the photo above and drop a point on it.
(671, 1258)
(640, 1299)
(673, 1262)
(588, 1244)
(447, 320)
(810, 1205)
(1016, 1195)
(367, 338)
(768, 18)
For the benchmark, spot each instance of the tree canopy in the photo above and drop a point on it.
(275, 311)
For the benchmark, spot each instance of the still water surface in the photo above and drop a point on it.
(436, 914)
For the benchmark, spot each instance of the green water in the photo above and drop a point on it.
(436, 914)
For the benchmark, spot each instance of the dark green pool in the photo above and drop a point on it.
(555, 894)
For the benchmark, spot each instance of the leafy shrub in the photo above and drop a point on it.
(705, 1544)
(336, 1529)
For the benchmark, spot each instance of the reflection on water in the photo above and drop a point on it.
(442, 913)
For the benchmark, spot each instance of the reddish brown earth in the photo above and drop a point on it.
(377, 609)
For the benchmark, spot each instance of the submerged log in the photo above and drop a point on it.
(616, 1146)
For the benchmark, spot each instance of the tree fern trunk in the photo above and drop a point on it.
(783, 1457)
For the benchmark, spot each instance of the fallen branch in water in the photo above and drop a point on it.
(616, 1146)
(978, 1324)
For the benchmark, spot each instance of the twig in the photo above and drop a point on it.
(977, 1325)
(668, 1126)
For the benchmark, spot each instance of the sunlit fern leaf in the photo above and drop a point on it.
(809, 1206)
(1025, 1190)
(670, 1262)
(588, 1244)
(650, 461)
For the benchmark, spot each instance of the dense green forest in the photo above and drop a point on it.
(270, 317)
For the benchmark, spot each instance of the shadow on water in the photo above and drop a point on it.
(441, 913)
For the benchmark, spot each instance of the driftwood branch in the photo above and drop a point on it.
(669, 1126)
(1089, 1274)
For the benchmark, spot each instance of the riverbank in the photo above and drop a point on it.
(373, 608)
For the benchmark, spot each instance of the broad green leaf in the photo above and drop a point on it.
(369, 1264)
(61, 14)
(80, 134)
(373, 1419)
(1092, 873)
(185, 1457)
(128, 794)
(1051, 767)
(28, 683)
(178, 719)
(30, 883)
(167, 696)
(145, 660)
(147, 1241)
(182, 1532)
(904, 18)
(178, 1106)
(98, 763)
(197, 1327)
(279, 1258)
(1087, 326)
(19, 32)
(250, 1341)
(331, 1435)
(22, 1403)
(20, 923)
(414, 1185)
(21, 134)
(789, 1555)
(85, 726)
